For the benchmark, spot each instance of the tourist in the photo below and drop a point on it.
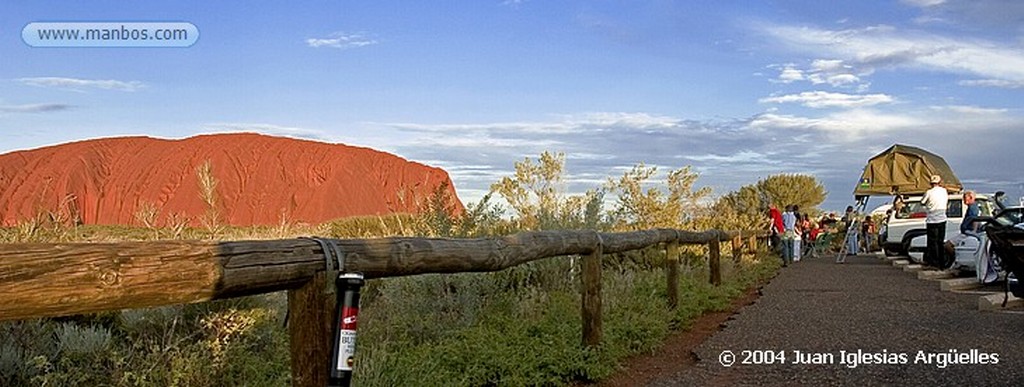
(969, 226)
(798, 232)
(805, 233)
(775, 226)
(935, 201)
(788, 235)
(868, 231)
(849, 220)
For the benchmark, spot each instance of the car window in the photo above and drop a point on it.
(915, 210)
(954, 209)
(985, 207)
(1010, 217)
(911, 210)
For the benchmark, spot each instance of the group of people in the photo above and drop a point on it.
(791, 230)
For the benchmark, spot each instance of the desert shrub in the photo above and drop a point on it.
(519, 326)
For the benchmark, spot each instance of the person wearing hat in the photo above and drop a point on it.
(935, 201)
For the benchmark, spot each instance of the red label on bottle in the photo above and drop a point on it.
(349, 316)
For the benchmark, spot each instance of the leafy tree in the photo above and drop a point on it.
(638, 208)
(785, 189)
(536, 194)
(748, 204)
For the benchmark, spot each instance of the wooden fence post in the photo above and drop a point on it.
(310, 311)
(737, 248)
(672, 267)
(752, 244)
(714, 261)
(592, 297)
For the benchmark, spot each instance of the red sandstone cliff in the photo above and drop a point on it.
(259, 179)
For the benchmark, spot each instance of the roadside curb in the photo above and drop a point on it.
(950, 282)
(994, 302)
(936, 275)
(948, 285)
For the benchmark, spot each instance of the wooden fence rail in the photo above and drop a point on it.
(46, 280)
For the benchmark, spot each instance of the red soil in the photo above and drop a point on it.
(260, 180)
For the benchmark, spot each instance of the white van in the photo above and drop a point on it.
(908, 223)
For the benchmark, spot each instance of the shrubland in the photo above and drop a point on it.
(519, 326)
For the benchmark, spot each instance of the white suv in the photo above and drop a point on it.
(908, 222)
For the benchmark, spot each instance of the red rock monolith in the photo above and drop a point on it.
(260, 180)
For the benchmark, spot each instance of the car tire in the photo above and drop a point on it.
(909, 236)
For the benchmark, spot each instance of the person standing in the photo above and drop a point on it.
(868, 232)
(851, 232)
(775, 217)
(805, 233)
(797, 232)
(788, 235)
(935, 201)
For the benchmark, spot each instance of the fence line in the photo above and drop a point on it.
(47, 280)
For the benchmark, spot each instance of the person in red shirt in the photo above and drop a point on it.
(776, 227)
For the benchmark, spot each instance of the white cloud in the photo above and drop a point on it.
(850, 125)
(77, 84)
(742, 156)
(34, 108)
(566, 123)
(1001, 83)
(341, 40)
(832, 145)
(966, 109)
(888, 47)
(832, 72)
(491, 143)
(789, 74)
(924, 3)
(828, 65)
(823, 99)
(620, 119)
(271, 129)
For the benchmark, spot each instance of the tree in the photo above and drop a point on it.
(536, 194)
(638, 209)
(785, 189)
(749, 204)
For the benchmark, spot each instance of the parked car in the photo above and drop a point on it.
(1006, 231)
(908, 223)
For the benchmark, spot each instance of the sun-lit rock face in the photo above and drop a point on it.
(260, 180)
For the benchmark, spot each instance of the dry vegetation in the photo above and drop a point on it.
(515, 327)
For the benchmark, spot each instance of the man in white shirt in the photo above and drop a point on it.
(935, 201)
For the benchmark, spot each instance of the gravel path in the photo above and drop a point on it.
(819, 307)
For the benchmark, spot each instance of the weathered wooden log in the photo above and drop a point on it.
(715, 262)
(672, 274)
(591, 298)
(41, 280)
(310, 327)
(737, 249)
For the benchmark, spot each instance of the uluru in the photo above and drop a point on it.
(260, 180)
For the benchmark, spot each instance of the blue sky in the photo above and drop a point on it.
(739, 90)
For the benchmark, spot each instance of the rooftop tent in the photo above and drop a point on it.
(903, 169)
